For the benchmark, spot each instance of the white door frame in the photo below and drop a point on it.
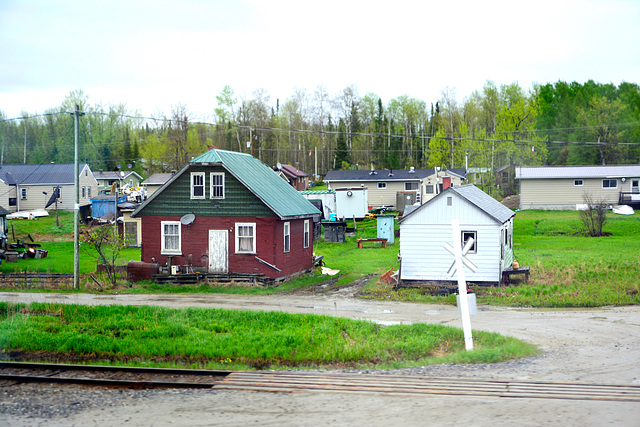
(218, 251)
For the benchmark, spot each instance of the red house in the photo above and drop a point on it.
(230, 213)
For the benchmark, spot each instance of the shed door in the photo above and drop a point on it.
(218, 251)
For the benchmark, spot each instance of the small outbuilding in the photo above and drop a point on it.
(424, 232)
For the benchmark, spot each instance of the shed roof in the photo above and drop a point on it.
(550, 172)
(292, 172)
(42, 174)
(158, 178)
(494, 209)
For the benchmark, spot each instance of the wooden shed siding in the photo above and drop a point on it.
(269, 244)
(176, 199)
(563, 194)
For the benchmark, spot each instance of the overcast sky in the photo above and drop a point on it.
(150, 55)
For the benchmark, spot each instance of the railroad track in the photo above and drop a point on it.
(112, 376)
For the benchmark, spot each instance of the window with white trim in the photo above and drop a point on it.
(428, 188)
(578, 183)
(609, 183)
(197, 185)
(217, 185)
(466, 235)
(410, 186)
(83, 192)
(287, 237)
(171, 237)
(23, 194)
(382, 185)
(306, 233)
(245, 238)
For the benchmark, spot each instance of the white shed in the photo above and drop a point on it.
(351, 202)
(424, 232)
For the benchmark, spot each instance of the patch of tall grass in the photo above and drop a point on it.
(219, 338)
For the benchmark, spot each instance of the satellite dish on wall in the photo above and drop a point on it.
(279, 166)
(187, 219)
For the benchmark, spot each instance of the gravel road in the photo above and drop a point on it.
(587, 345)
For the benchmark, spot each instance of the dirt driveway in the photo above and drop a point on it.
(588, 345)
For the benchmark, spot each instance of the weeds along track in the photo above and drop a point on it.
(111, 376)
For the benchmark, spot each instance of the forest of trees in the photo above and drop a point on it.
(552, 124)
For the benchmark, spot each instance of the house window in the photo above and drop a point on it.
(89, 192)
(609, 183)
(23, 194)
(197, 185)
(217, 185)
(306, 233)
(428, 188)
(287, 236)
(410, 186)
(83, 192)
(466, 236)
(449, 201)
(171, 237)
(246, 238)
(13, 201)
(382, 185)
(578, 183)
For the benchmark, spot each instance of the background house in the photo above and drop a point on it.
(565, 187)
(425, 230)
(155, 181)
(106, 179)
(29, 187)
(297, 178)
(229, 213)
(396, 188)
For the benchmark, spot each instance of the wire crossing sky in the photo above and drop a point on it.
(151, 55)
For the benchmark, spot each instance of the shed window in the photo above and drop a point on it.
(246, 238)
(578, 183)
(410, 186)
(171, 237)
(217, 185)
(382, 185)
(306, 233)
(466, 235)
(197, 185)
(287, 236)
(609, 183)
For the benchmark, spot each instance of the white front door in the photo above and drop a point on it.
(218, 251)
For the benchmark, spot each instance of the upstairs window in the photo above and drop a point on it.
(197, 185)
(382, 185)
(287, 237)
(578, 183)
(428, 188)
(171, 237)
(410, 186)
(609, 183)
(217, 185)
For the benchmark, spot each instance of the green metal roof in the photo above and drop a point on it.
(260, 179)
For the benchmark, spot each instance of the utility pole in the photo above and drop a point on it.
(76, 207)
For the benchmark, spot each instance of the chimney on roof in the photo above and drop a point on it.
(412, 170)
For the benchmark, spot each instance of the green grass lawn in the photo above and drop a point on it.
(234, 339)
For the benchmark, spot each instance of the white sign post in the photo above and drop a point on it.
(458, 263)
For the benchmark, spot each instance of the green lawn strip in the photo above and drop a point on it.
(216, 338)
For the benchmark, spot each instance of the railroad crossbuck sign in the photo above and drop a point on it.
(460, 260)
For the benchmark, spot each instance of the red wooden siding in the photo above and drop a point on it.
(269, 244)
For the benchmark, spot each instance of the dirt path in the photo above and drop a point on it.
(591, 345)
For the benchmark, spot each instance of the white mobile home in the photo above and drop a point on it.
(565, 187)
(424, 232)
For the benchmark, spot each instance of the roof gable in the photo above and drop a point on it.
(478, 198)
(257, 177)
